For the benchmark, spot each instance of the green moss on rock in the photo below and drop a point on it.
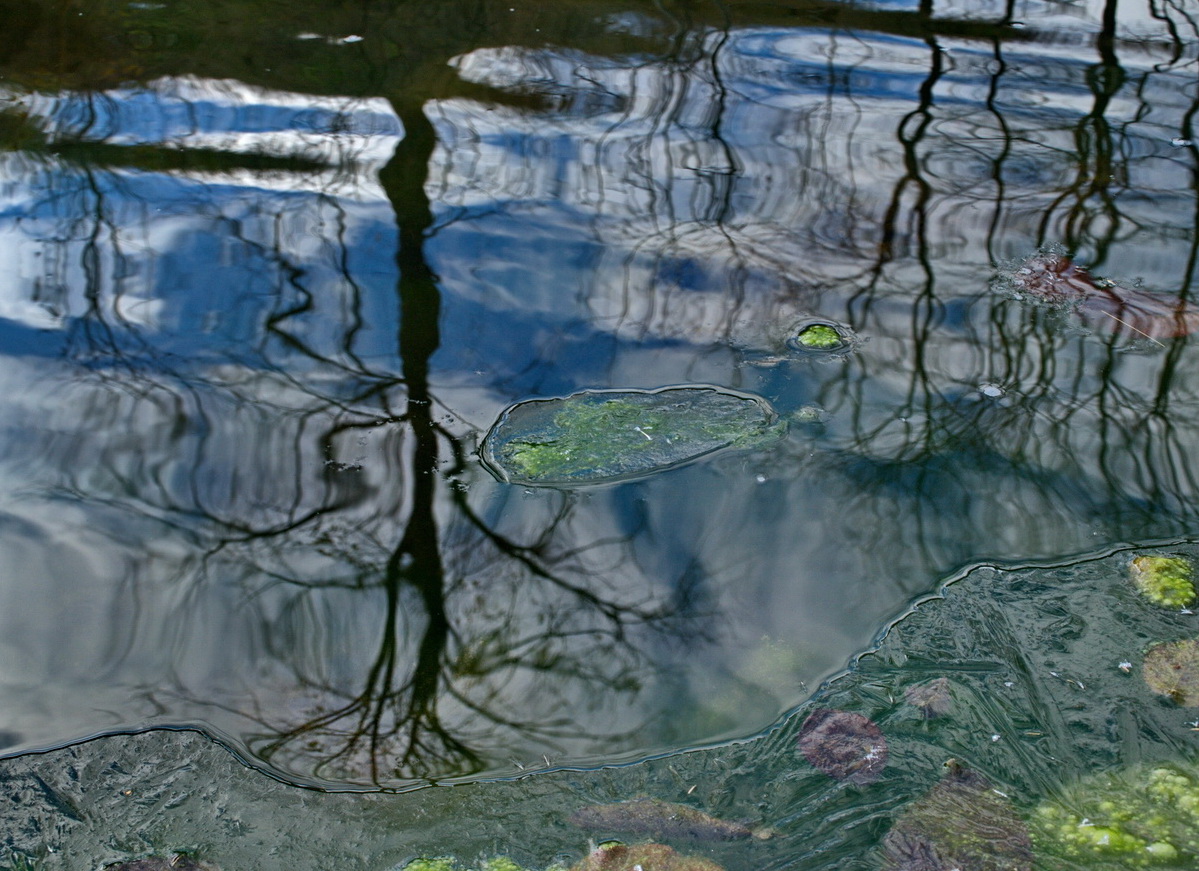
(600, 436)
(820, 337)
(1164, 580)
(1141, 817)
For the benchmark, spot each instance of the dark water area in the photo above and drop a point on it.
(273, 270)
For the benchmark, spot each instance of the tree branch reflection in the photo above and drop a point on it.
(667, 205)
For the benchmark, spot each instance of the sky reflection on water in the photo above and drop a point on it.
(254, 335)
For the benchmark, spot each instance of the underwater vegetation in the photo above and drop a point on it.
(1104, 305)
(1164, 580)
(661, 819)
(844, 745)
(1172, 669)
(961, 823)
(600, 436)
(1140, 817)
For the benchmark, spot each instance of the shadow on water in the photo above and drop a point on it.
(256, 328)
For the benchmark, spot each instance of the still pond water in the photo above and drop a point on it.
(272, 272)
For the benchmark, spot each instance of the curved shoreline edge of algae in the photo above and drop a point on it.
(603, 436)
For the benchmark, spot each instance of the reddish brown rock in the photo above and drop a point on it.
(1104, 305)
(844, 745)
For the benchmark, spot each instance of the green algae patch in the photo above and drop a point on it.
(821, 337)
(1164, 580)
(1141, 817)
(600, 436)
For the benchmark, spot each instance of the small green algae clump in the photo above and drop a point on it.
(449, 863)
(1164, 580)
(820, 337)
(1141, 817)
(1172, 669)
(599, 436)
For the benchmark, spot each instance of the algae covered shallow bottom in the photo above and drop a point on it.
(599, 436)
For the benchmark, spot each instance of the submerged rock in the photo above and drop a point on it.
(931, 698)
(1164, 580)
(961, 824)
(660, 819)
(600, 436)
(642, 857)
(844, 745)
(1127, 311)
(1172, 669)
(1145, 816)
(177, 862)
(822, 338)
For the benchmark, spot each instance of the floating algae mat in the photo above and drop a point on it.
(598, 436)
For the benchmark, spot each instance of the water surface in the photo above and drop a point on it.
(272, 276)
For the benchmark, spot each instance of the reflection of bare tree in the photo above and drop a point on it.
(482, 638)
(858, 196)
(392, 726)
(1087, 427)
